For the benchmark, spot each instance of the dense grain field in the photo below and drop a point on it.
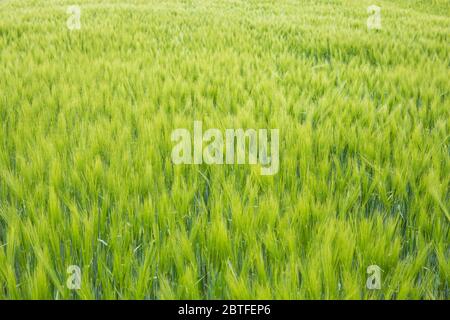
(87, 179)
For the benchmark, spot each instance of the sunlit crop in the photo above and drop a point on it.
(87, 179)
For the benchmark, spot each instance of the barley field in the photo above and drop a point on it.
(87, 182)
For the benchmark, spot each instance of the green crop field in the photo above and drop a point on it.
(88, 187)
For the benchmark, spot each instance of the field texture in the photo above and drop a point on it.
(87, 179)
